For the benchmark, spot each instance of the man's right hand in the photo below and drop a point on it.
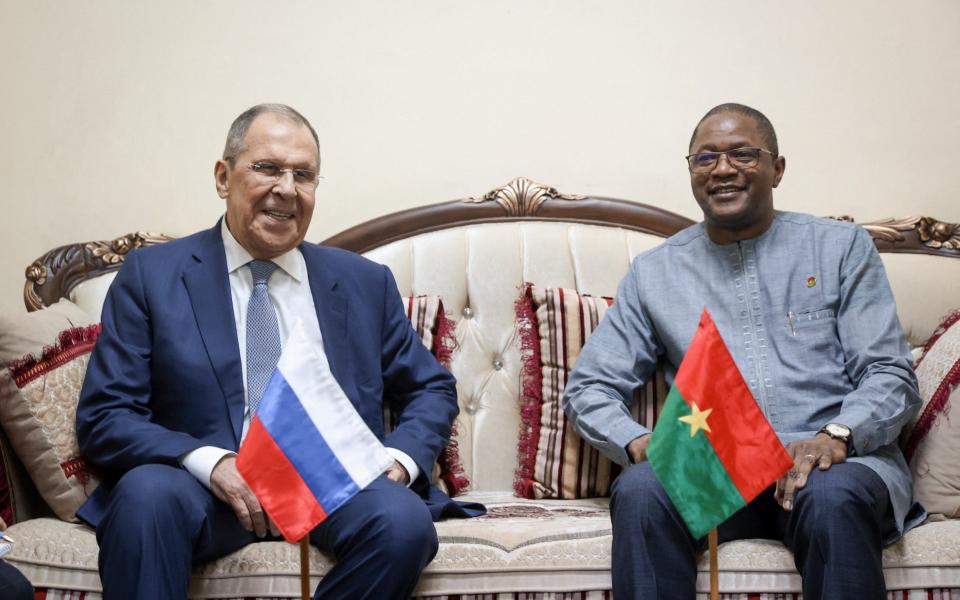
(227, 484)
(637, 448)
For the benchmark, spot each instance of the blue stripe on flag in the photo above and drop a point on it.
(290, 426)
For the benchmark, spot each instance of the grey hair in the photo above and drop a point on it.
(240, 126)
(764, 125)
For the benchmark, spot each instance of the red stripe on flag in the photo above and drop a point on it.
(296, 511)
(739, 432)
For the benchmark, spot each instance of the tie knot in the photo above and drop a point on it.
(261, 270)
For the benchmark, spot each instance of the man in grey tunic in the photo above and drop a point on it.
(805, 308)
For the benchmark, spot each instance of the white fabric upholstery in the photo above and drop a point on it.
(90, 294)
(927, 288)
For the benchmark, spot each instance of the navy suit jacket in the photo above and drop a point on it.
(165, 375)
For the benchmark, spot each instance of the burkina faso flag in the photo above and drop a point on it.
(713, 450)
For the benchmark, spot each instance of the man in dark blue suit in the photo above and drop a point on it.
(167, 397)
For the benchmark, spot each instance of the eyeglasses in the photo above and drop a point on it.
(268, 172)
(738, 158)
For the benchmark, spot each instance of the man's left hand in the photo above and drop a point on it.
(821, 450)
(398, 473)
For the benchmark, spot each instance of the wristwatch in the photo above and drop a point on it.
(837, 432)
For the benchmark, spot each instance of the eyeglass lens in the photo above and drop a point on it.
(303, 178)
(739, 158)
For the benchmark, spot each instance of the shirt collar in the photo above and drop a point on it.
(749, 241)
(291, 262)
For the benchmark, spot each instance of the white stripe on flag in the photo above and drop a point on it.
(308, 374)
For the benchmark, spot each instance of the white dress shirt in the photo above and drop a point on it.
(289, 290)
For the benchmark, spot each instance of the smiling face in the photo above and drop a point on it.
(269, 216)
(737, 204)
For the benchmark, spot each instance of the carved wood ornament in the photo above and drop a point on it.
(916, 235)
(522, 196)
(56, 273)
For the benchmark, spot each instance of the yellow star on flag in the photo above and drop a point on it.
(697, 419)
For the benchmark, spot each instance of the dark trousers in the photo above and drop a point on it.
(835, 532)
(13, 585)
(161, 521)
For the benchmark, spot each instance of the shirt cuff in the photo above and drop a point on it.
(864, 432)
(200, 462)
(620, 437)
(404, 459)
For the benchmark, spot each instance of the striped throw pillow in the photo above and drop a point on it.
(554, 462)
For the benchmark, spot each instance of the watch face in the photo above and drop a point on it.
(838, 431)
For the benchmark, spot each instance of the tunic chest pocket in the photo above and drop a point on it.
(807, 322)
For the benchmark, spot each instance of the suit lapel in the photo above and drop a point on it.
(208, 286)
(331, 308)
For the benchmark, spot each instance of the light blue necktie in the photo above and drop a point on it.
(263, 334)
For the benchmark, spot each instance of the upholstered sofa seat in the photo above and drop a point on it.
(521, 545)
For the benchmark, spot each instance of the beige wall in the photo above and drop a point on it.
(113, 112)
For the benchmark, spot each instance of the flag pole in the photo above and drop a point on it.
(714, 574)
(305, 567)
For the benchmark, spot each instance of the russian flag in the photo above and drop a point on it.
(307, 451)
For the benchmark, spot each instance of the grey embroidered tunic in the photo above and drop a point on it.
(807, 313)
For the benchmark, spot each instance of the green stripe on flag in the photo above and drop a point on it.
(690, 471)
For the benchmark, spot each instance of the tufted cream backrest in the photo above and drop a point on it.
(479, 270)
(926, 288)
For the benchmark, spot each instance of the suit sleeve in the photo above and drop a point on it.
(114, 428)
(417, 386)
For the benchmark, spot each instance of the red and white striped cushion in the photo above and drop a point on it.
(554, 462)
